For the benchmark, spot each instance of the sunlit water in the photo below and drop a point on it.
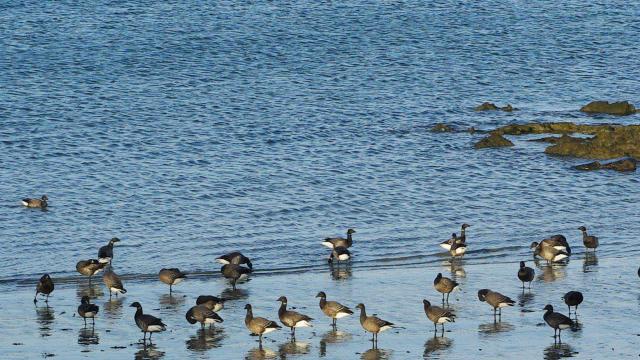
(189, 130)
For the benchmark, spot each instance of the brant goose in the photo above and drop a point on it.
(437, 315)
(292, 319)
(45, 287)
(573, 298)
(147, 323)
(447, 243)
(373, 324)
(113, 283)
(258, 325)
(105, 254)
(525, 274)
(333, 309)
(203, 315)
(36, 203)
(88, 310)
(458, 249)
(444, 285)
(339, 253)
(172, 276)
(549, 252)
(589, 241)
(556, 320)
(234, 258)
(462, 239)
(235, 272)
(89, 267)
(332, 243)
(495, 299)
(212, 303)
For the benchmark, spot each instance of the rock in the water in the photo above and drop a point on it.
(493, 140)
(507, 108)
(627, 164)
(604, 107)
(614, 142)
(485, 106)
(548, 139)
(440, 127)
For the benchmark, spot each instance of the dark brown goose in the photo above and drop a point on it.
(462, 239)
(172, 276)
(558, 242)
(212, 303)
(549, 252)
(573, 298)
(340, 241)
(45, 287)
(444, 285)
(495, 299)
(458, 249)
(437, 315)
(113, 283)
(36, 203)
(589, 241)
(259, 325)
(525, 274)
(235, 272)
(373, 324)
(88, 310)
(556, 320)
(203, 315)
(292, 319)
(339, 253)
(235, 258)
(333, 309)
(89, 267)
(447, 243)
(147, 323)
(105, 253)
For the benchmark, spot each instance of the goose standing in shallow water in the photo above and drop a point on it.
(36, 203)
(292, 319)
(458, 249)
(373, 324)
(549, 252)
(462, 239)
(495, 299)
(589, 241)
(45, 287)
(172, 276)
(339, 253)
(105, 253)
(203, 315)
(113, 283)
(259, 325)
(333, 309)
(438, 315)
(89, 267)
(335, 242)
(557, 321)
(234, 273)
(88, 310)
(525, 274)
(213, 303)
(444, 285)
(234, 258)
(147, 323)
(573, 298)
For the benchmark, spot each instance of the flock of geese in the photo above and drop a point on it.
(237, 267)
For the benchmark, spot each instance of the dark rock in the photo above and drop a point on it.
(493, 140)
(615, 142)
(508, 108)
(486, 106)
(442, 128)
(548, 139)
(627, 164)
(604, 107)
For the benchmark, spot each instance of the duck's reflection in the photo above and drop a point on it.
(436, 344)
(172, 301)
(495, 328)
(590, 262)
(148, 352)
(340, 272)
(376, 354)
(206, 339)
(237, 294)
(113, 307)
(456, 268)
(88, 336)
(260, 353)
(93, 291)
(332, 337)
(551, 273)
(45, 316)
(558, 351)
(525, 298)
(293, 348)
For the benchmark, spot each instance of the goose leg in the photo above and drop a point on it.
(260, 339)
(85, 321)
(150, 337)
(443, 298)
(435, 327)
(35, 300)
(170, 289)
(93, 321)
(448, 298)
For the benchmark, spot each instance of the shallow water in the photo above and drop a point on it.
(189, 130)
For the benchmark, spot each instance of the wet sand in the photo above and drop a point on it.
(608, 317)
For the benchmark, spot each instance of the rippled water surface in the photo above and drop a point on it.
(190, 129)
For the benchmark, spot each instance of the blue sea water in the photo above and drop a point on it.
(189, 129)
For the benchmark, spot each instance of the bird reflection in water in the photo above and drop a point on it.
(113, 307)
(552, 272)
(436, 344)
(332, 337)
(237, 294)
(169, 301)
(260, 353)
(88, 336)
(293, 348)
(376, 354)
(456, 268)
(525, 298)
(148, 352)
(558, 351)
(45, 317)
(205, 339)
(92, 291)
(590, 262)
(495, 328)
(339, 272)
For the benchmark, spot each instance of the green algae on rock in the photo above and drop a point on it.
(487, 106)
(604, 107)
(627, 164)
(492, 141)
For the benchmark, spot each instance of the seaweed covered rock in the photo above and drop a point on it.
(440, 127)
(604, 107)
(619, 141)
(627, 164)
(486, 106)
(492, 141)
